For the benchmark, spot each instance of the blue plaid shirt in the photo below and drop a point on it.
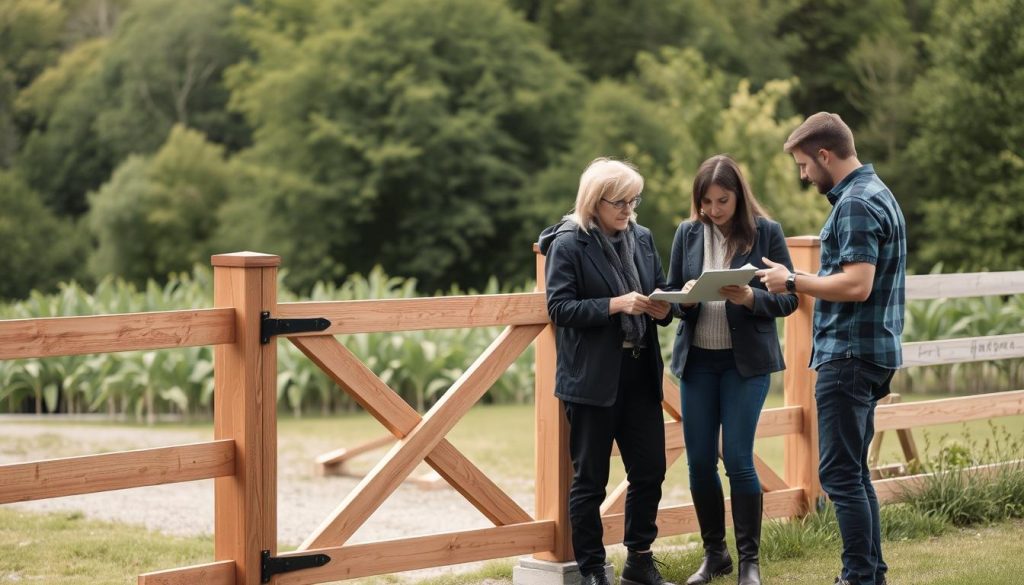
(866, 225)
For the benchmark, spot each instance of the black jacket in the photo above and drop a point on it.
(755, 340)
(579, 289)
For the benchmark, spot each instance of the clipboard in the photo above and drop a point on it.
(707, 285)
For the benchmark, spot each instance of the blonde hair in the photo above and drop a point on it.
(604, 178)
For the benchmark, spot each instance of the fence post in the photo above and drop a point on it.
(245, 410)
(801, 450)
(554, 469)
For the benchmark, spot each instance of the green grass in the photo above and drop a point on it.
(65, 549)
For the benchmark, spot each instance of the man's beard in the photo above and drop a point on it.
(827, 183)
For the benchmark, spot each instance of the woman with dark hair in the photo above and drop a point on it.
(724, 354)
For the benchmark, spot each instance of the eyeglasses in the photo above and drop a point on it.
(622, 204)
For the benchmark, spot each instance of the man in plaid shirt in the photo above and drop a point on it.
(858, 320)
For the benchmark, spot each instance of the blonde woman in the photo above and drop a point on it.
(601, 265)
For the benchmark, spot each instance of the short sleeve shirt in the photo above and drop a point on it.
(866, 225)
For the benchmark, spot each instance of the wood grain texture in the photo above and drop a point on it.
(415, 446)
(965, 349)
(54, 478)
(436, 550)
(57, 336)
(245, 410)
(801, 448)
(219, 573)
(421, 313)
(948, 410)
(400, 419)
(970, 284)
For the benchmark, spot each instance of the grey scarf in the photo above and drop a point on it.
(625, 276)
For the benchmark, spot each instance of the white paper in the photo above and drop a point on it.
(707, 285)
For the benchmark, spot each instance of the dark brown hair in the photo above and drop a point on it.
(721, 170)
(822, 130)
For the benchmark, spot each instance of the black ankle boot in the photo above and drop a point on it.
(598, 578)
(641, 569)
(747, 510)
(710, 508)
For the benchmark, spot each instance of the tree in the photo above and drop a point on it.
(604, 37)
(674, 114)
(966, 161)
(157, 214)
(40, 249)
(417, 124)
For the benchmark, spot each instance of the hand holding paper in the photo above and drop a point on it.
(706, 288)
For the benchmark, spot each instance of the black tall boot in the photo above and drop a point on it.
(747, 510)
(710, 508)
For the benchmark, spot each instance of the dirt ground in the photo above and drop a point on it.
(305, 500)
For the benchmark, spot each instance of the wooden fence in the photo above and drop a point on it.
(241, 458)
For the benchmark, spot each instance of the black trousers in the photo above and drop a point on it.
(637, 424)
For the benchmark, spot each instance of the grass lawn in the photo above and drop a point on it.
(65, 549)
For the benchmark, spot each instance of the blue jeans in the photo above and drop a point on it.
(847, 392)
(715, 396)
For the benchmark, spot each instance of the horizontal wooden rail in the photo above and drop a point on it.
(57, 336)
(218, 573)
(423, 313)
(963, 349)
(896, 488)
(682, 519)
(948, 410)
(435, 550)
(53, 478)
(968, 284)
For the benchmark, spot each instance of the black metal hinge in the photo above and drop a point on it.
(271, 327)
(270, 566)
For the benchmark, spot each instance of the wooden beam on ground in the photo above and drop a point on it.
(682, 519)
(436, 550)
(416, 445)
(964, 349)
(969, 284)
(219, 573)
(894, 489)
(351, 374)
(392, 315)
(949, 410)
(332, 462)
(69, 476)
(58, 336)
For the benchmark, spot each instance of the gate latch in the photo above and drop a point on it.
(270, 566)
(271, 327)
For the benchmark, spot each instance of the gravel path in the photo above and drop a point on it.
(304, 499)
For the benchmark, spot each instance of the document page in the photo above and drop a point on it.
(706, 287)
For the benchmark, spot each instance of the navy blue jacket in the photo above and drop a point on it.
(755, 340)
(579, 289)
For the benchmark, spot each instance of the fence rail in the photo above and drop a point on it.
(242, 457)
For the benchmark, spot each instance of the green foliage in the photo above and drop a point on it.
(38, 258)
(966, 161)
(674, 114)
(604, 37)
(419, 123)
(157, 214)
(964, 498)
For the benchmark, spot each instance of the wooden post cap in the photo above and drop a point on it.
(245, 260)
(803, 241)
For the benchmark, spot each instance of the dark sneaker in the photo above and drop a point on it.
(642, 569)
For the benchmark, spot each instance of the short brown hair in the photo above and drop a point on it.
(822, 130)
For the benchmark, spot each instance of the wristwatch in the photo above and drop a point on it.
(791, 282)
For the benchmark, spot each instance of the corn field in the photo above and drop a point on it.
(419, 365)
